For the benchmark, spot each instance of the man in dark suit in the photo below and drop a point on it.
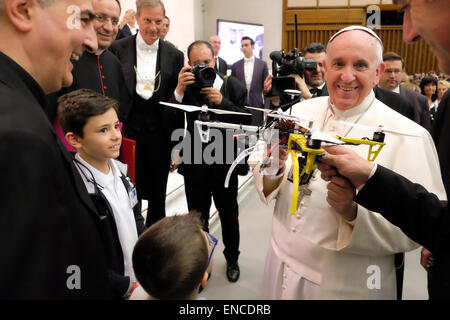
(221, 65)
(390, 79)
(227, 94)
(395, 101)
(252, 72)
(49, 227)
(150, 67)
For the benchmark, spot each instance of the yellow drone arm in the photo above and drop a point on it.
(296, 180)
(373, 154)
(296, 145)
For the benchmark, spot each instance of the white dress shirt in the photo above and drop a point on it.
(396, 90)
(114, 191)
(249, 65)
(146, 57)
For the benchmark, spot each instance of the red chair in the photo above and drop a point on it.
(128, 156)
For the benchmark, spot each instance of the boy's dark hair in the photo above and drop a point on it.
(392, 56)
(76, 107)
(248, 38)
(170, 258)
(314, 47)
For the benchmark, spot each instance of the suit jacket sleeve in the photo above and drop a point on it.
(441, 138)
(420, 214)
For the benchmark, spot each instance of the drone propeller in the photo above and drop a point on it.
(290, 117)
(293, 93)
(380, 128)
(204, 108)
(259, 109)
(318, 135)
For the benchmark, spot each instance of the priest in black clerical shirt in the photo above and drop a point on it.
(100, 71)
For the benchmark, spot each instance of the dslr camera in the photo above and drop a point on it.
(285, 64)
(204, 75)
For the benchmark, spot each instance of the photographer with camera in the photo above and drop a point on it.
(199, 84)
(309, 76)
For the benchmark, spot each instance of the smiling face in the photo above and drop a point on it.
(429, 89)
(351, 68)
(101, 139)
(150, 20)
(106, 24)
(61, 32)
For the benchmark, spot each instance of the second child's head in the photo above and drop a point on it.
(173, 257)
(90, 124)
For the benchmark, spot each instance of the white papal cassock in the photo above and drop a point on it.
(316, 254)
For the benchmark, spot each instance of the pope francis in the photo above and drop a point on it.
(318, 253)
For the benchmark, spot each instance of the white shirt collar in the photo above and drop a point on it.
(319, 87)
(396, 90)
(249, 59)
(100, 178)
(143, 46)
(365, 104)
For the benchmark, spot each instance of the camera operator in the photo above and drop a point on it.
(197, 86)
(314, 83)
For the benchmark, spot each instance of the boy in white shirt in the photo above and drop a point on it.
(91, 126)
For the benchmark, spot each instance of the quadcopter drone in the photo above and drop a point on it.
(300, 140)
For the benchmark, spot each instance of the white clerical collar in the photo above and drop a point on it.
(365, 104)
(249, 59)
(396, 90)
(143, 46)
(99, 52)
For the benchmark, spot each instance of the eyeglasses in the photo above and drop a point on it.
(102, 18)
(212, 243)
(392, 71)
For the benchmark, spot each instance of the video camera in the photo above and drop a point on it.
(291, 63)
(204, 75)
(285, 64)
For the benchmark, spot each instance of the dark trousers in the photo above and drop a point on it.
(145, 125)
(152, 171)
(199, 190)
